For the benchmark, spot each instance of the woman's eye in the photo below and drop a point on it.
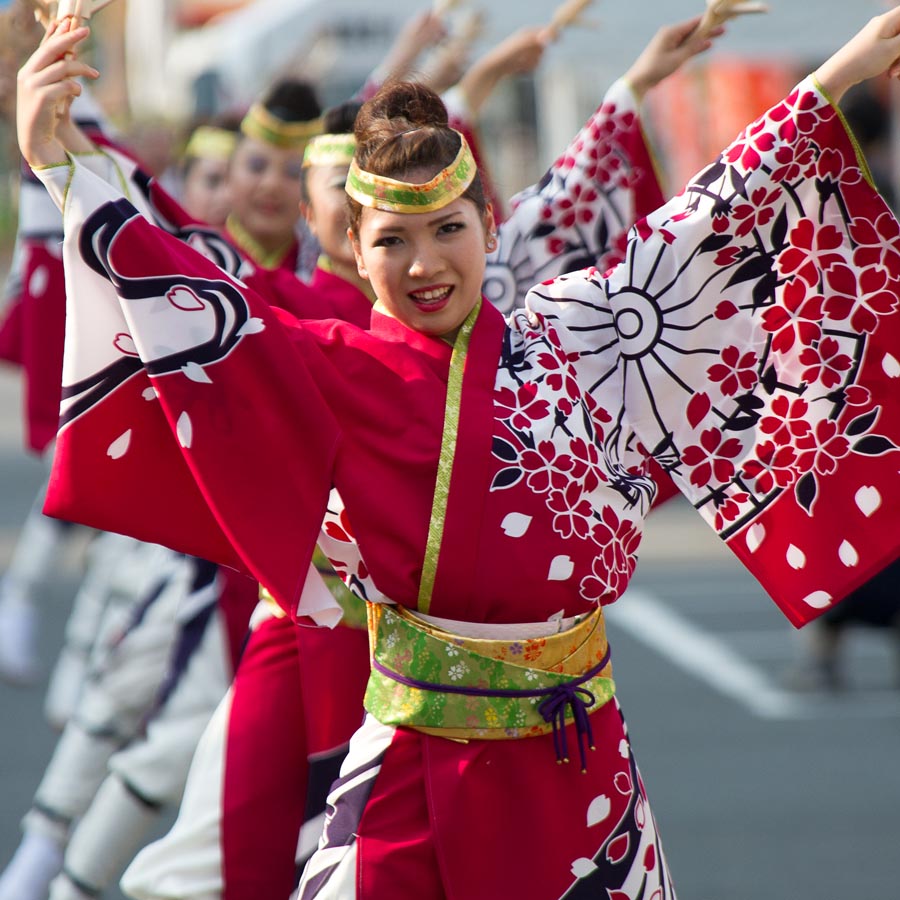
(256, 165)
(293, 171)
(451, 227)
(387, 241)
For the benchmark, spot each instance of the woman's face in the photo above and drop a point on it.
(205, 193)
(326, 211)
(264, 182)
(425, 268)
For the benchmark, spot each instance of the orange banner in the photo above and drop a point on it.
(695, 114)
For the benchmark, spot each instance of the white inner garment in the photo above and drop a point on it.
(502, 632)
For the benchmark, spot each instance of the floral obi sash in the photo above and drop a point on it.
(462, 688)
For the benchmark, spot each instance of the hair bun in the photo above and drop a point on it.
(400, 106)
(403, 129)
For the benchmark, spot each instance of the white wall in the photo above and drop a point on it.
(251, 44)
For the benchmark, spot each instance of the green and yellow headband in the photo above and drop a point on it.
(259, 123)
(330, 150)
(209, 142)
(389, 195)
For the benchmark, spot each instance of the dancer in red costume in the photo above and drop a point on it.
(501, 513)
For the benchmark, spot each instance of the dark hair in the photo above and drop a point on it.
(340, 119)
(404, 127)
(292, 100)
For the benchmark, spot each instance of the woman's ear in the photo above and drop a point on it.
(357, 253)
(490, 223)
(306, 211)
(490, 229)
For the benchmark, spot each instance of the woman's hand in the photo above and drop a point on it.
(670, 48)
(518, 54)
(420, 33)
(45, 89)
(873, 51)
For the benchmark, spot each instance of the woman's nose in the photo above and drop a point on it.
(425, 262)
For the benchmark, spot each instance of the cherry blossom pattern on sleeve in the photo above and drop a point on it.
(752, 322)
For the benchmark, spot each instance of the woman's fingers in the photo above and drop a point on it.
(56, 45)
(59, 70)
(61, 91)
(682, 31)
(50, 29)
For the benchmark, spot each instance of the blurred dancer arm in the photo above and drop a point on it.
(669, 49)
(873, 51)
(422, 32)
(518, 54)
(579, 213)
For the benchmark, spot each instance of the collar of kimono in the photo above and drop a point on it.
(468, 471)
(209, 142)
(470, 368)
(445, 464)
(268, 259)
(329, 150)
(437, 352)
(390, 195)
(261, 124)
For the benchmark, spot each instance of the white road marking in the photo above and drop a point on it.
(718, 664)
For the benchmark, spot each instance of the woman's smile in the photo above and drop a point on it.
(432, 299)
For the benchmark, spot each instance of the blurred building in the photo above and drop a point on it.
(186, 57)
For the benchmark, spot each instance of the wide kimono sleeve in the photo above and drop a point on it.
(755, 329)
(31, 334)
(118, 168)
(579, 213)
(191, 416)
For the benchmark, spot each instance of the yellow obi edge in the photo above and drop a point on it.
(402, 645)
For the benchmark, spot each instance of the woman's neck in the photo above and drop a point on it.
(348, 272)
(267, 253)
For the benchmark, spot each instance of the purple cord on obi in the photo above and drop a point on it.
(552, 708)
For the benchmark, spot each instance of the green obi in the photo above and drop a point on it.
(440, 683)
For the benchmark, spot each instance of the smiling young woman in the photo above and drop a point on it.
(421, 241)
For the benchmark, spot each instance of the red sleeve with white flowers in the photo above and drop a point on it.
(755, 325)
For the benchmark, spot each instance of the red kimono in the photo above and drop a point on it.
(747, 343)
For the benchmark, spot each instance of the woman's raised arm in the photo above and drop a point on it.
(580, 212)
(873, 51)
(753, 326)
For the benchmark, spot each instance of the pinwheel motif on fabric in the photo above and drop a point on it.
(802, 283)
(746, 344)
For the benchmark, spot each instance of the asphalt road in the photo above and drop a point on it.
(759, 792)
